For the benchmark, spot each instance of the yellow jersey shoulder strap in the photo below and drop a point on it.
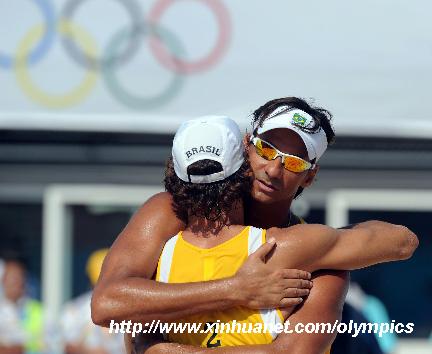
(273, 317)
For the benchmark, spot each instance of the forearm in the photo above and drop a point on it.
(324, 305)
(388, 242)
(363, 245)
(143, 300)
(174, 348)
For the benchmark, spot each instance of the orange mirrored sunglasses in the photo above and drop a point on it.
(269, 152)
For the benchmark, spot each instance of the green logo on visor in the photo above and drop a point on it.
(299, 119)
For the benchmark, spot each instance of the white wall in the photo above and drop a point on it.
(368, 61)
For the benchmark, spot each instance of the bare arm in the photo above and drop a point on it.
(324, 305)
(125, 290)
(315, 247)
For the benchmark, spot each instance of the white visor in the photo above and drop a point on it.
(298, 121)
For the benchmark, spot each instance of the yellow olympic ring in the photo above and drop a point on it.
(25, 81)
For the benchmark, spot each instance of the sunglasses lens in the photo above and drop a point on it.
(295, 164)
(265, 150)
(291, 163)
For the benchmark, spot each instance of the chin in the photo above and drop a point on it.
(262, 197)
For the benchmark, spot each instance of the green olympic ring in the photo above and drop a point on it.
(129, 99)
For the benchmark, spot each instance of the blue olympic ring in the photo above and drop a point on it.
(6, 61)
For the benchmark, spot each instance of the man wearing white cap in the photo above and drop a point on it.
(134, 256)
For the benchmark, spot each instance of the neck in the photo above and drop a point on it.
(269, 215)
(202, 226)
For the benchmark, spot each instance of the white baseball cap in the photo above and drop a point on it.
(216, 138)
(297, 120)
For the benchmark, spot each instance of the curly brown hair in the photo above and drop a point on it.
(207, 200)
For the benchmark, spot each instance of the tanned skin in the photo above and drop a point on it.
(311, 247)
(125, 292)
(135, 254)
(125, 289)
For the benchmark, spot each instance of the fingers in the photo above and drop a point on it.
(289, 302)
(296, 274)
(297, 283)
(263, 250)
(295, 293)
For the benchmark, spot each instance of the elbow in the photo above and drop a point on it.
(101, 309)
(409, 244)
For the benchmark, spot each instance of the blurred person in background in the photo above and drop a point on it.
(21, 321)
(79, 334)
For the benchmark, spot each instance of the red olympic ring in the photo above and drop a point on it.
(180, 65)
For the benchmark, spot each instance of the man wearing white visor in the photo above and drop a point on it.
(125, 290)
(208, 177)
(303, 124)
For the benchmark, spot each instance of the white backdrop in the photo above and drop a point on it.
(367, 61)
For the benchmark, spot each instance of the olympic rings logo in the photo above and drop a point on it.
(82, 48)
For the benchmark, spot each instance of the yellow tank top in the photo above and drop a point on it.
(182, 262)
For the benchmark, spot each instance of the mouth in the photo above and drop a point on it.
(266, 187)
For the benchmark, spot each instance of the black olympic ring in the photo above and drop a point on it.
(133, 100)
(135, 12)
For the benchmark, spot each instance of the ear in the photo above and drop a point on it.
(310, 177)
(246, 139)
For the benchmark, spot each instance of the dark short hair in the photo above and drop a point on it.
(321, 116)
(207, 200)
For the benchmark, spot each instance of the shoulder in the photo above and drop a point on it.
(136, 250)
(162, 197)
(161, 200)
(300, 246)
(156, 214)
(299, 232)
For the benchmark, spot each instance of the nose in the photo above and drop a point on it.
(274, 168)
